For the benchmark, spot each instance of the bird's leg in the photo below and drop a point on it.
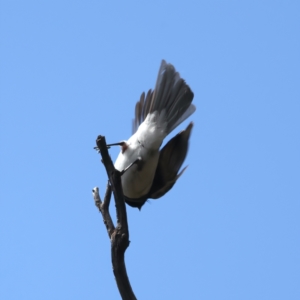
(122, 144)
(137, 161)
(116, 144)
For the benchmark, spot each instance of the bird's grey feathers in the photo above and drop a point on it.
(171, 96)
(171, 158)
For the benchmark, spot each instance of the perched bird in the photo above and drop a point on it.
(149, 171)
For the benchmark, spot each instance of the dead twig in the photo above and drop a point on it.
(119, 235)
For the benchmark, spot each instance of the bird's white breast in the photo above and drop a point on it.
(145, 143)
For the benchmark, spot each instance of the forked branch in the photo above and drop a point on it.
(119, 235)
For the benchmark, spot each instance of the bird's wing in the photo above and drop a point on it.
(142, 108)
(170, 161)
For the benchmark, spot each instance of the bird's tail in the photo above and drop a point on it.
(171, 97)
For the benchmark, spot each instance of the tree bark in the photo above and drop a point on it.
(119, 235)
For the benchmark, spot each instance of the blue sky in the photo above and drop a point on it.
(70, 70)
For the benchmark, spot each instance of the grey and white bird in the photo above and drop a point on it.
(153, 172)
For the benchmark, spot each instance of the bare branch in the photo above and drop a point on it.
(103, 208)
(120, 235)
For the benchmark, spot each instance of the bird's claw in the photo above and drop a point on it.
(98, 150)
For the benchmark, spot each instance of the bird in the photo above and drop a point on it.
(147, 170)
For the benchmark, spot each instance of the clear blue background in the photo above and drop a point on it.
(71, 70)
